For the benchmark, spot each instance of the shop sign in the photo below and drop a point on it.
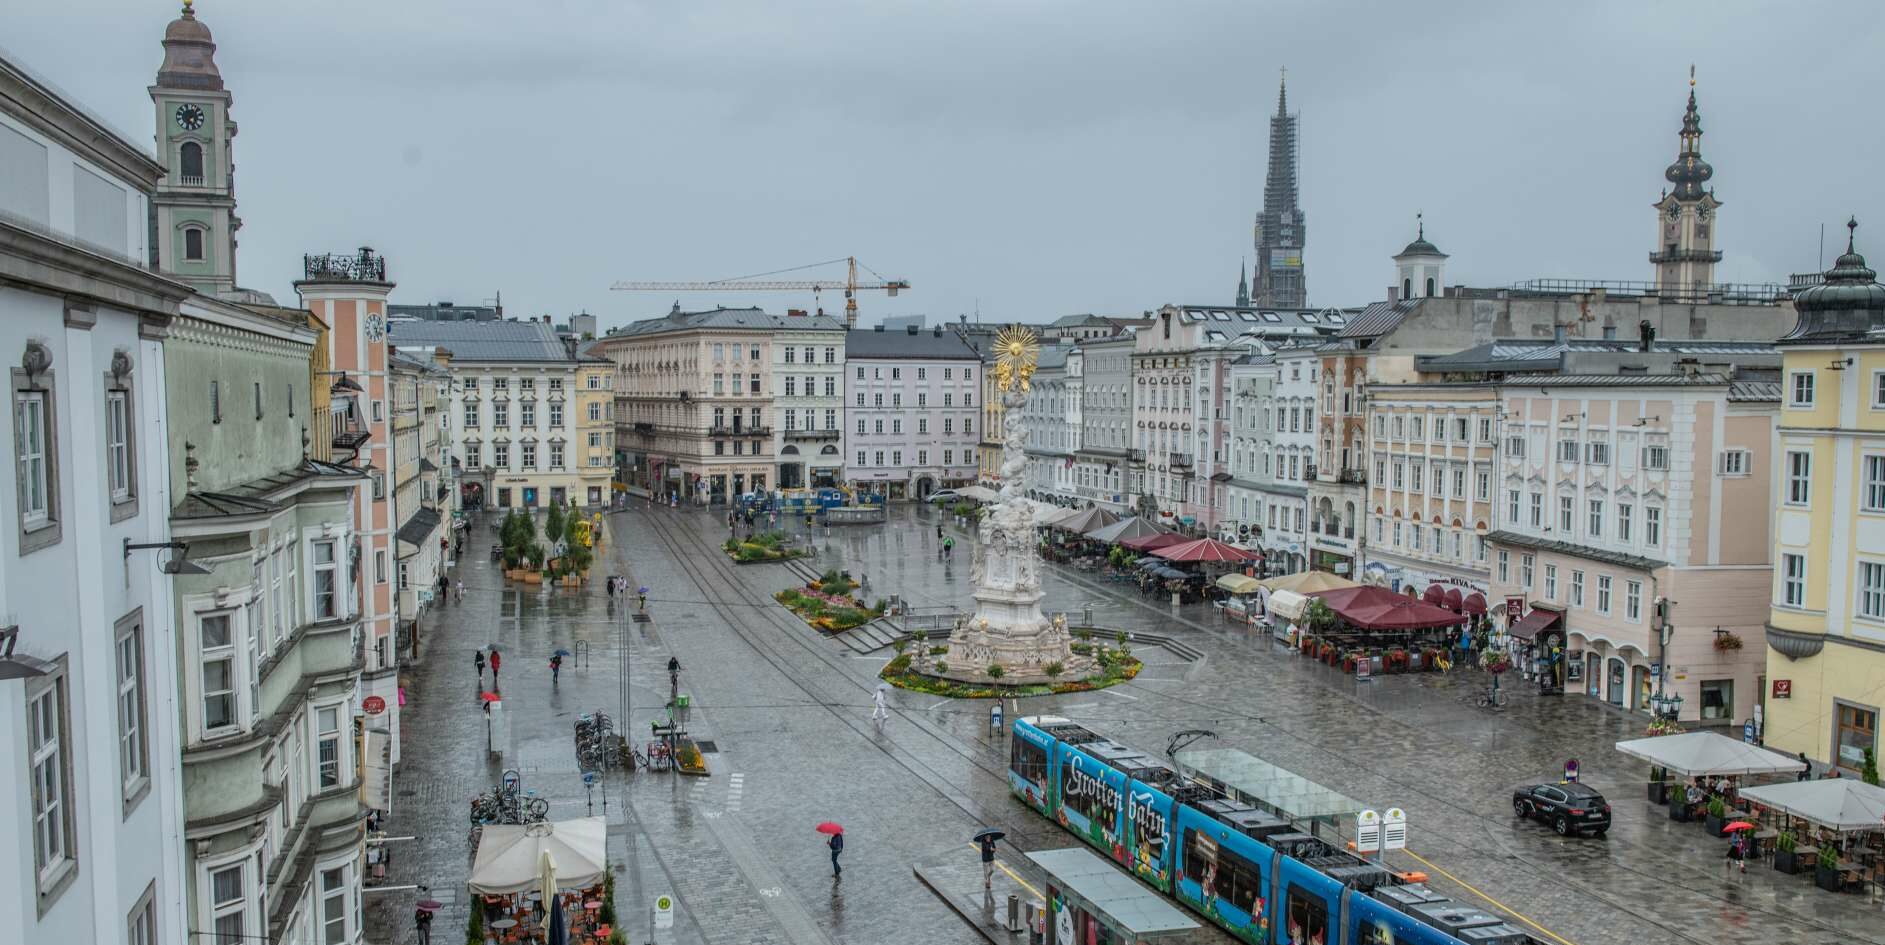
(1783, 688)
(1515, 607)
(373, 705)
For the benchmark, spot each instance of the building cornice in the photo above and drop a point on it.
(46, 110)
(42, 262)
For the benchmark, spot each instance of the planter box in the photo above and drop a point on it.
(1713, 825)
(1826, 879)
(1679, 809)
(533, 577)
(1786, 862)
(517, 574)
(1659, 792)
(571, 581)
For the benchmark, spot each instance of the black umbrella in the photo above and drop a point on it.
(990, 834)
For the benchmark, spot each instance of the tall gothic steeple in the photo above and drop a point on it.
(193, 213)
(1684, 260)
(1243, 287)
(1279, 227)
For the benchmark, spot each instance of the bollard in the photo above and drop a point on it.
(1014, 913)
(1037, 922)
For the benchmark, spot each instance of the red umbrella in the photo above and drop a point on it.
(1204, 549)
(1377, 608)
(1737, 825)
(828, 827)
(490, 697)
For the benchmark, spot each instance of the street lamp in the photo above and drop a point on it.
(178, 563)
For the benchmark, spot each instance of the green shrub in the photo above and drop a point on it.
(899, 665)
(995, 671)
(938, 650)
(1785, 842)
(881, 606)
(1869, 773)
(1829, 857)
(942, 667)
(730, 545)
(1054, 669)
(1717, 807)
(474, 930)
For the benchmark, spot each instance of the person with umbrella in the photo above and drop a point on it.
(422, 921)
(836, 843)
(1738, 846)
(986, 839)
(556, 667)
(477, 659)
(496, 661)
(641, 598)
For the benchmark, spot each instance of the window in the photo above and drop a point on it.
(1873, 496)
(1799, 477)
(753, 354)
(471, 416)
(878, 457)
(501, 455)
(1734, 462)
(34, 451)
(1511, 506)
(327, 746)
(1459, 428)
(1857, 732)
(141, 925)
(1567, 446)
(1415, 468)
(1538, 510)
(133, 739)
(1633, 600)
(528, 455)
(327, 581)
(216, 650)
(1564, 514)
(120, 462)
(1308, 916)
(1626, 512)
(258, 400)
(791, 355)
(1577, 588)
(1400, 477)
(1596, 518)
(556, 456)
(595, 412)
(719, 385)
(949, 457)
(947, 397)
(193, 244)
(1603, 593)
(1515, 445)
(50, 763)
(1482, 487)
(556, 414)
(1872, 589)
(1598, 452)
(1525, 571)
(1656, 457)
(472, 457)
(229, 904)
(860, 457)
(1800, 389)
(719, 447)
(527, 413)
(1652, 526)
(1551, 582)
(500, 414)
(755, 383)
(1459, 482)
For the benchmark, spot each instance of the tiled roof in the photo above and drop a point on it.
(1578, 551)
(1754, 392)
(419, 526)
(727, 319)
(257, 495)
(1378, 318)
(1240, 318)
(924, 345)
(1618, 380)
(481, 341)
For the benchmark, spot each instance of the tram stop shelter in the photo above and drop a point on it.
(1090, 900)
(1282, 792)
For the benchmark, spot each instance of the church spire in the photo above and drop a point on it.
(1690, 172)
(1243, 287)
(1279, 230)
(1685, 255)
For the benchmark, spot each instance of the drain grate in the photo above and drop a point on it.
(641, 618)
(707, 747)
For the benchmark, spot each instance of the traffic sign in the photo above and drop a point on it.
(373, 705)
(664, 912)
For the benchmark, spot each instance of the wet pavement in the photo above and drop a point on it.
(788, 713)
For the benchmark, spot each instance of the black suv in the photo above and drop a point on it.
(1569, 807)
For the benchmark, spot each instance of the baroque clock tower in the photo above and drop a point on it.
(193, 214)
(1684, 262)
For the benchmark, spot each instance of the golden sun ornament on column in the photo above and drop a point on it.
(1016, 351)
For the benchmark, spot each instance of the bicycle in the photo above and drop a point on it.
(1494, 699)
(658, 756)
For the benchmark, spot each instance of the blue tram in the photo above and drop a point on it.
(1249, 872)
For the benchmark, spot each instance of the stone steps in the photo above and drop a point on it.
(873, 636)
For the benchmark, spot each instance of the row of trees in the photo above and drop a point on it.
(561, 524)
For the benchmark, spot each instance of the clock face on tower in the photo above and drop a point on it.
(189, 117)
(376, 327)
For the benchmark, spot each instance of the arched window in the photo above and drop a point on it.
(1430, 287)
(190, 156)
(193, 244)
(1407, 288)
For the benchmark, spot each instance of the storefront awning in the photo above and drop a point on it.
(1529, 625)
(1287, 605)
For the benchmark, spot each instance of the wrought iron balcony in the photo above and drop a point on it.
(645, 428)
(1181, 460)
(363, 266)
(725, 430)
(1137, 456)
(1354, 476)
(824, 434)
(350, 437)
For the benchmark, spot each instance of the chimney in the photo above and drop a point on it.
(1557, 333)
(1394, 294)
(546, 319)
(1689, 366)
(879, 328)
(1646, 336)
(937, 330)
(910, 329)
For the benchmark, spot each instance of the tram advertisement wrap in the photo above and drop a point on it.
(1090, 795)
(1148, 824)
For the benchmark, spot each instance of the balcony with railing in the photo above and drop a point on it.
(1137, 456)
(736, 429)
(828, 433)
(362, 266)
(190, 180)
(1179, 460)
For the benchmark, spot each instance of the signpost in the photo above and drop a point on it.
(1783, 688)
(664, 912)
(1368, 832)
(373, 705)
(1394, 830)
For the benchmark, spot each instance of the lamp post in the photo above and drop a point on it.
(1665, 629)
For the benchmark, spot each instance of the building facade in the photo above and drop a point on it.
(88, 699)
(519, 411)
(1101, 457)
(422, 491)
(1825, 629)
(808, 395)
(1613, 491)
(1432, 449)
(1050, 416)
(193, 213)
(911, 403)
(595, 428)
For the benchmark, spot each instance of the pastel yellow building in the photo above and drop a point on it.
(1826, 626)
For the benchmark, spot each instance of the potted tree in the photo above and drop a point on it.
(1716, 817)
(1658, 786)
(1679, 808)
(1826, 874)
(1784, 858)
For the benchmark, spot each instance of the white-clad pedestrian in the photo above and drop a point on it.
(881, 712)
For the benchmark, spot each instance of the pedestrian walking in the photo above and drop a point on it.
(939, 534)
(882, 711)
(422, 921)
(949, 547)
(478, 659)
(496, 661)
(1570, 770)
(1806, 773)
(641, 599)
(461, 590)
(836, 843)
(1738, 852)
(445, 586)
(556, 669)
(988, 861)
(674, 679)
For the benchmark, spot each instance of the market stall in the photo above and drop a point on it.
(1308, 582)
(1150, 543)
(1833, 828)
(1125, 528)
(1242, 602)
(524, 874)
(1377, 631)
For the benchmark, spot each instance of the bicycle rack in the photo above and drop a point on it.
(582, 654)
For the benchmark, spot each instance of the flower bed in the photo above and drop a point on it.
(1115, 667)
(828, 606)
(760, 549)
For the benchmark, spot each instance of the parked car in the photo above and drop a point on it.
(1568, 806)
(943, 495)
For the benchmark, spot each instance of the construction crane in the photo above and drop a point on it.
(759, 283)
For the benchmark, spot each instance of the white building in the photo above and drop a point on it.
(1105, 420)
(1289, 463)
(808, 399)
(1051, 420)
(912, 411)
(88, 702)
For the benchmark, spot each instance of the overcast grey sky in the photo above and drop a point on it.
(1032, 158)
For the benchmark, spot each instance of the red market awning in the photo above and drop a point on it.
(1435, 595)
(1377, 608)
(1204, 549)
(1475, 603)
(1528, 626)
(1153, 542)
(1453, 601)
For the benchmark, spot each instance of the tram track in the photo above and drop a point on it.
(703, 566)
